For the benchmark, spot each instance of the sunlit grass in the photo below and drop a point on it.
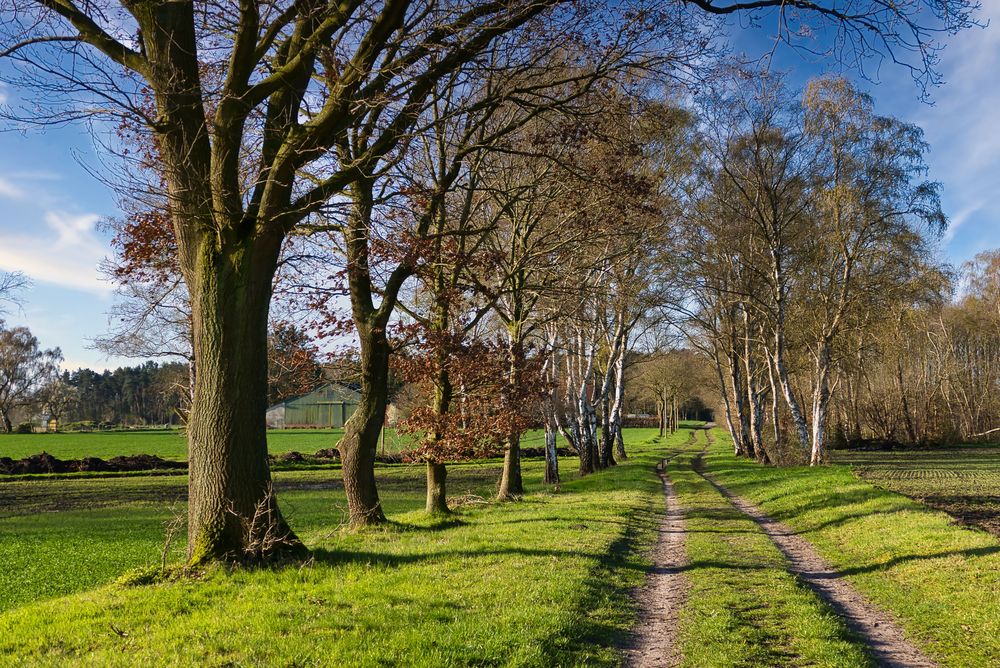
(544, 581)
(745, 608)
(941, 581)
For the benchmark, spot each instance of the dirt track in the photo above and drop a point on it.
(665, 591)
(880, 633)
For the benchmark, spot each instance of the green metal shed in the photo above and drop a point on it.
(327, 406)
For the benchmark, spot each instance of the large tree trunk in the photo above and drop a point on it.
(228, 261)
(7, 426)
(232, 511)
(359, 445)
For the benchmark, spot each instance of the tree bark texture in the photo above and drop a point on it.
(230, 481)
(359, 445)
(437, 499)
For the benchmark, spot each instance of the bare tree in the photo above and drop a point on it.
(315, 96)
(24, 370)
(12, 284)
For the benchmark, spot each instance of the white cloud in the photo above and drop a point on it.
(961, 128)
(9, 190)
(65, 252)
(958, 219)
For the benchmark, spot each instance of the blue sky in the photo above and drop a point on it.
(50, 205)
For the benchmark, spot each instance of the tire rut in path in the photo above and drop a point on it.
(886, 641)
(655, 642)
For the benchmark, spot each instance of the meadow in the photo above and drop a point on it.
(553, 573)
(940, 580)
(547, 580)
(171, 443)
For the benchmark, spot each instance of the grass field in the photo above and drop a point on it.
(964, 482)
(541, 582)
(544, 581)
(170, 444)
(58, 536)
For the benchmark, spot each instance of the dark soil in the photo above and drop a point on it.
(982, 512)
(33, 495)
(46, 463)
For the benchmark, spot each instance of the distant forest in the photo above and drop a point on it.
(148, 394)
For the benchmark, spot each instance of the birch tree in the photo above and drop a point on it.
(870, 206)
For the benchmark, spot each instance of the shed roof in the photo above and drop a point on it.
(325, 393)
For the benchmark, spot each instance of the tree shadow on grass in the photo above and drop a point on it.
(606, 611)
(340, 557)
(442, 523)
(909, 558)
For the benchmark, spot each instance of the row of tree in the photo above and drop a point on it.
(32, 384)
(487, 180)
(812, 284)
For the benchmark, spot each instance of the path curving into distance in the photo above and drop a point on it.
(655, 644)
(885, 640)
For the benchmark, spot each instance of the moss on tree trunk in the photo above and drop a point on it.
(232, 511)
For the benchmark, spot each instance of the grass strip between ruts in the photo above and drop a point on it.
(744, 607)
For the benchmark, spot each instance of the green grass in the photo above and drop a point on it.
(59, 536)
(171, 444)
(941, 581)
(544, 581)
(744, 607)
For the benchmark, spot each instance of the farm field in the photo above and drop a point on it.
(962, 481)
(170, 444)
